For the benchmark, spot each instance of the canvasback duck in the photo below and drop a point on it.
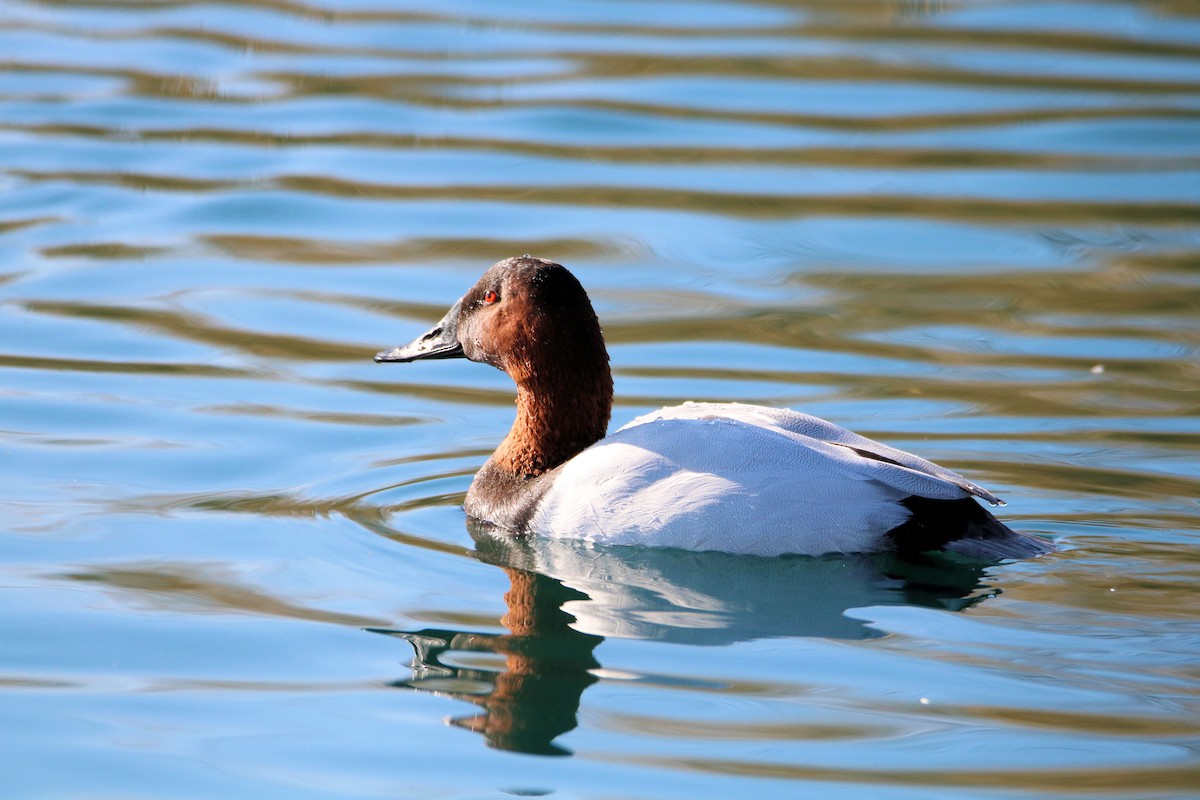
(701, 476)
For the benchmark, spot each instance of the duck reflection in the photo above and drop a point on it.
(566, 597)
(547, 665)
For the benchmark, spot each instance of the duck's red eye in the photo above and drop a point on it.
(490, 297)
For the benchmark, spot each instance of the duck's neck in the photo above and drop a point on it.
(560, 412)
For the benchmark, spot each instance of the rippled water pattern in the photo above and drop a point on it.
(233, 554)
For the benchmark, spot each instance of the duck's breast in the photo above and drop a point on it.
(729, 477)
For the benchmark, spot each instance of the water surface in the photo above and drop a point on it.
(233, 553)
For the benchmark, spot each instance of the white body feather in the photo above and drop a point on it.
(742, 479)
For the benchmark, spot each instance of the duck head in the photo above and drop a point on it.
(522, 311)
(532, 319)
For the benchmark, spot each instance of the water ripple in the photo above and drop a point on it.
(968, 229)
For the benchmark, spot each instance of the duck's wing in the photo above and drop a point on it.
(822, 431)
(718, 483)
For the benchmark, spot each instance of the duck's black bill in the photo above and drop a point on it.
(441, 341)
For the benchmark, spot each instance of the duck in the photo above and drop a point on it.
(730, 477)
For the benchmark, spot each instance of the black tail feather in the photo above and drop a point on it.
(963, 527)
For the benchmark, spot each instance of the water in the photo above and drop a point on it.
(233, 556)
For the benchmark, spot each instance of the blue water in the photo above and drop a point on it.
(233, 557)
